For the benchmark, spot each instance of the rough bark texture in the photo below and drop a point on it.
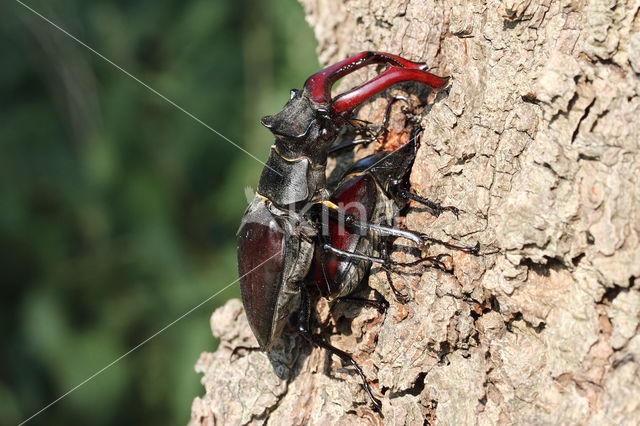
(537, 141)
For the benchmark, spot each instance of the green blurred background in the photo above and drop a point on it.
(118, 212)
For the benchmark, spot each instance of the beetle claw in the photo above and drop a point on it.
(235, 352)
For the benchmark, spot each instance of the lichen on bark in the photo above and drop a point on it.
(537, 141)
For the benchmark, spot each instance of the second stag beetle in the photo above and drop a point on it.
(294, 235)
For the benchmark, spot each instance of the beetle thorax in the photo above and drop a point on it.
(292, 183)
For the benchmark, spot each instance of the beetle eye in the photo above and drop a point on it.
(293, 93)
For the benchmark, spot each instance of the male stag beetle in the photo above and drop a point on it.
(294, 235)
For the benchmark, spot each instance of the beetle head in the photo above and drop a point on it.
(302, 127)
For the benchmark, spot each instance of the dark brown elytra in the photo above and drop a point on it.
(297, 234)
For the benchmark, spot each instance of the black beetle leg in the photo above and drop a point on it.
(400, 298)
(350, 144)
(475, 250)
(385, 249)
(304, 328)
(364, 141)
(435, 261)
(436, 208)
(326, 247)
(617, 363)
(386, 264)
(355, 225)
(353, 256)
(237, 349)
(380, 305)
(382, 129)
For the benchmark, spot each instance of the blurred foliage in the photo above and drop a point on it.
(118, 212)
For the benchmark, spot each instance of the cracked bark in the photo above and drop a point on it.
(537, 141)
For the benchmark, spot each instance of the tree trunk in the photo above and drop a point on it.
(536, 140)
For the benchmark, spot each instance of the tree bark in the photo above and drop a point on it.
(536, 140)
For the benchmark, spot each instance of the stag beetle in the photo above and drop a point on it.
(294, 235)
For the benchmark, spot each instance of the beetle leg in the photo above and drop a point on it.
(358, 226)
(383, 129)
(353, 256)
(435, 260)
(396, 184)
(472, 250)
(436, 208)
(304, 328)
(237, 349)
(420, 239)
(380, 305)
(323, 267)
(400, 298)
(384, 262)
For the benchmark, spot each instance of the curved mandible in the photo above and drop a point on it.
(318, 86)
(347, 101)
